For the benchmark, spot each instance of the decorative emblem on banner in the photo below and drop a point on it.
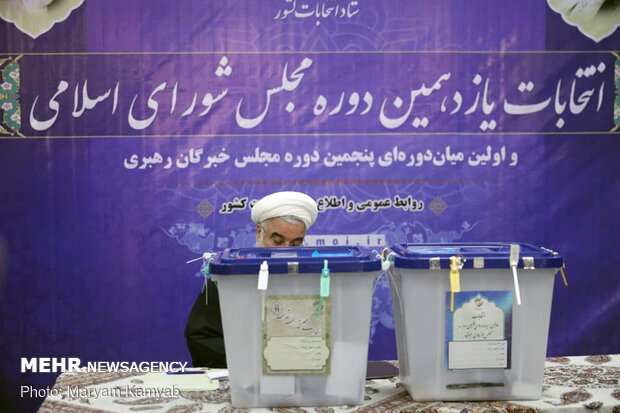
(35, 17)
(9, 97)
(205, 208)
(596, 19)
(438, 205)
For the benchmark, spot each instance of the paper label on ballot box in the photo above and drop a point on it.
(296, 335)
(479, 331)
(477, 354)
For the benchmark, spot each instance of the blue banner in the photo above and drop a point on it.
(136, 135)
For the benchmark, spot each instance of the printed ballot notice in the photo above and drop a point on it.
(479, 331)
(296, 337)
(478, 354)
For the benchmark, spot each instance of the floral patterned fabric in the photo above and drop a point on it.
(570, 384)
(10, 110)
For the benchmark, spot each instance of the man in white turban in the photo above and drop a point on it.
(282, 220)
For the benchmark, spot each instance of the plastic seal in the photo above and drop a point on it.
(561, 270)
(325, 280)
(263, 276)
(455, 280)
(563, 275)
(205, 256)
(263, 280)
(528, 263)
(324, 291)
(205, 271)
(292, 267)
(515, 249)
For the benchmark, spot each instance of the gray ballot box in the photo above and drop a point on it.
(472, 320)
(296, 323)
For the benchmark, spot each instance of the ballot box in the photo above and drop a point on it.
(296, 323)
(472, 320)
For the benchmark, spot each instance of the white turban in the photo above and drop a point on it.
(279, 204)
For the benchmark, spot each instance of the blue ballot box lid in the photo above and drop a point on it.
(282, 260)
(473, 255)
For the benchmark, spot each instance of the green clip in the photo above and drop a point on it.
(205, 269)
(325, 280)
(324, 285)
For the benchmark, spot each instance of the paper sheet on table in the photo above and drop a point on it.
(181, 382)
(218, 374)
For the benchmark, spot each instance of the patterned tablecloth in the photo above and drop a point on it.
(571, 384)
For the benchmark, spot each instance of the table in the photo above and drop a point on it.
(571, 384)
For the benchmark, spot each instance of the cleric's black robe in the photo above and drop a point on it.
(203, 332)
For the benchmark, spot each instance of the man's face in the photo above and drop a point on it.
(278, 233)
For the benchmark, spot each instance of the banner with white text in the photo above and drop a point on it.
(135, 136)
